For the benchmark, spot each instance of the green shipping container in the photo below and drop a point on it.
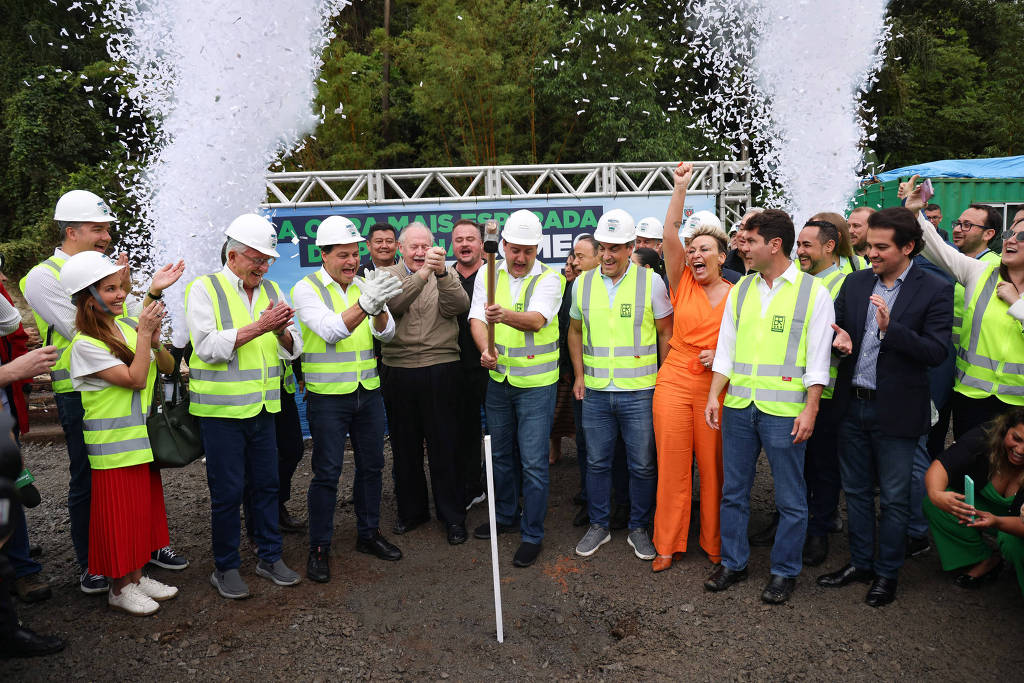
(953, 195)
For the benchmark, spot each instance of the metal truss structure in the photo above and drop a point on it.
(728, 181)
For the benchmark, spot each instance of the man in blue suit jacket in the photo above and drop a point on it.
(892, 323)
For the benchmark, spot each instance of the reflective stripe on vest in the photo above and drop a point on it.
(341, 367)
(833, 283)
(992, 363)
(777, 387)
(114, 426)
(988, 256)
(525, 359)
(631, 360)
(60, 373)
(251, 380)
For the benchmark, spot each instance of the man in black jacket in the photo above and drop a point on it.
(892, 323)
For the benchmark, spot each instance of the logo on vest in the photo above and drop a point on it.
(778, 323)
(626, 310)
(519, 307)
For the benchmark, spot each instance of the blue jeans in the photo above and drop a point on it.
(606, 416)
(745, 431)
(940, 385)
(520, 416)
(865, 451)
(17, 547)
(360, 415)
(71, 413)
(240, 453)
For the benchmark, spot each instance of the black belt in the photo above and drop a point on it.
(864, 394)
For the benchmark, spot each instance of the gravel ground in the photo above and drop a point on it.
(430, 616)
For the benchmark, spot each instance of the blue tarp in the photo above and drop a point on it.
(996, 167)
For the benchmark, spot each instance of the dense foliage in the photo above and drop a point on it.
(474, 82)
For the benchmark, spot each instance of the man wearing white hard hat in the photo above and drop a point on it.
(521, 393)
(340, 317)
(649, 234)
(83, 220)
(240, 325)
(621, 322)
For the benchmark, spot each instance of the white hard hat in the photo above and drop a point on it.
(255, 231)
(698, 219)
(82, 206)
(615, 227)
(337, 230)
(86, 268)
(522, 228)
(651, 228)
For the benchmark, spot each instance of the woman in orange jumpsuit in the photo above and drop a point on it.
(698, 295)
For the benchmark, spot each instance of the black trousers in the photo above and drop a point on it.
(469, 400)
(420, 404)
(8, 616)
(289, 445)
(968, 413)
(821, 471)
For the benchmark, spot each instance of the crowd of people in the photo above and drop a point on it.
(841, 351)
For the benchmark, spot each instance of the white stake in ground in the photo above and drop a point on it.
(494, 538)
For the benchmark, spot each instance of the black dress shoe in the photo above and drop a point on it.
(965, 580)
(378, 545)
(582, 517)
(778, 590)
(526, 555)
(287, 522)
(405, 526)
(917, 546)
(815, 550)
(318, 566)
(765, 536)
(24, 642)
(456, 534)
(484, 530)
(845, 576)
(723, 577)
(882, 592)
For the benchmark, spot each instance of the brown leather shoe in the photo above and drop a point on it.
(31, 588)
(661, 563)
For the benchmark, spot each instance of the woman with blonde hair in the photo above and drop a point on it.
(698, 296)
(114, 361)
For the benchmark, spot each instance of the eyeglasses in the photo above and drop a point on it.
(965, 225)
(1010, 235)
(258, 262)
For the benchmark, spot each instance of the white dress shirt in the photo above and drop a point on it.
(819, 329)
(51, 302)
(546, 299)
(218, 346)
(315, 315)
(10, 318)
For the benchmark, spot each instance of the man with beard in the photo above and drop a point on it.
(468, 247)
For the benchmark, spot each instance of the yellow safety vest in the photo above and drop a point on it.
(771, 350)
(833, 283)
(988, 256)
(991, 363)
(251, 380)
(525, 359)
(853, 264)
(114, 427)
(347, 364)
(628, 354)
(60, 375)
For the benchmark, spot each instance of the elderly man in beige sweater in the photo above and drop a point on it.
(419, 384)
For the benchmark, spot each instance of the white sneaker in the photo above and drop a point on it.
(157, 591)
(133, 601)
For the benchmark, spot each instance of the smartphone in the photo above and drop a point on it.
(969, 492)
(927, 191)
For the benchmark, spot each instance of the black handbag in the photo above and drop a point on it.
(173, 431)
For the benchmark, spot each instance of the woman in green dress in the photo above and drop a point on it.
(992, 454)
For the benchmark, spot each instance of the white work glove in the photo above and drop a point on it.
(369, 294)
(388, 285)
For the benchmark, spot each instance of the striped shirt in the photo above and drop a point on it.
(864, 371)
